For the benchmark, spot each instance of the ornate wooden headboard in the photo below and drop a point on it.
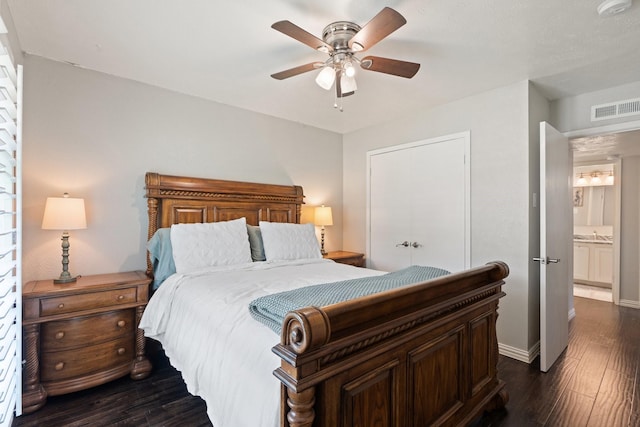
(179, 199)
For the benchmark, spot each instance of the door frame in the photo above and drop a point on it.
(604, 130)
(617, 236)
(466, 135)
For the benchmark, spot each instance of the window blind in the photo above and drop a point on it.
(10, 239)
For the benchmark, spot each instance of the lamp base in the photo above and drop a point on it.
(62, 280)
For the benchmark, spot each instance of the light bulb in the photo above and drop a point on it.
(610, 179)
(595, 179)
(349, 69)
(581, 181)
(326, 77)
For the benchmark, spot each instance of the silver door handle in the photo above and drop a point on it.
(405, 244)
(547, 260)
(416, 244)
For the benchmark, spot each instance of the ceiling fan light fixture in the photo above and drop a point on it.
(348, 84)
(349, 69)
(326, 77)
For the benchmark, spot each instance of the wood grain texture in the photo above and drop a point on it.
(81, 335)
(178, 199)
(162, 398)
(595, 382)
(159, 400)
(325, 351)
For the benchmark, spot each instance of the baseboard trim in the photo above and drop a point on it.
(629, 303)
(519, 354)
(572, 313)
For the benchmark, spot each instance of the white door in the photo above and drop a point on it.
(389, 214)
(418, 204)
(555, 241)
(439, 206)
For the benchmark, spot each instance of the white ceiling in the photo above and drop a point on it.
(608, 146)
(226, 51)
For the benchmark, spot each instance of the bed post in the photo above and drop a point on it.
(301, 413)
(152, 182)
(152, 209)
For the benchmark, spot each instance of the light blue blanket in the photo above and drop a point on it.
(271, 309)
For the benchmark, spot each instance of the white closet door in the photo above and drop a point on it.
(388, 210)
(419, 194)
(438, 226)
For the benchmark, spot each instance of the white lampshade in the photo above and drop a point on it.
(64, 213)
(348, 84)
(323, 216)
(326, 77)
(610, 179)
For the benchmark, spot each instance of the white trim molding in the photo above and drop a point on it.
(519, 354)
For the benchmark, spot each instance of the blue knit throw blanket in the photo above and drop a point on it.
(271, 309)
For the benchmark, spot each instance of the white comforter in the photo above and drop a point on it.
(203, 322)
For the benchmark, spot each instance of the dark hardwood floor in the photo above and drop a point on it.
(159, 400)
(594, 383)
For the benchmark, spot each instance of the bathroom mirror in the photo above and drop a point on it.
(593, 205)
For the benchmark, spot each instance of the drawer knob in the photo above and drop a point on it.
(121, 351)
(60, 335)
(120, 297)
(60, 305)
(59, 366)
(121, 323)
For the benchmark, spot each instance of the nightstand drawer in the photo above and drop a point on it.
(60, 365)
(87, 330)
(88, 301)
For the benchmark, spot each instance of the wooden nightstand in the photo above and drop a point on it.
(79, 335)
(344, 257)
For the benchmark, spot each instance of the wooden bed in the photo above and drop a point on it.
(421, 355)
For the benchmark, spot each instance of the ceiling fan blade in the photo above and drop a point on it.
(390, 66)
(383, 24)
(292, 30)
(297, 70)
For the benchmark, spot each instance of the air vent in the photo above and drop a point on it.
(614, 110)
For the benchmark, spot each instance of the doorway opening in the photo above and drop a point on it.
(609, 150)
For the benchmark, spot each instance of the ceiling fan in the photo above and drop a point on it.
(342, 40)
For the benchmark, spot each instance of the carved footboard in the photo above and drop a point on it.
(421, 355)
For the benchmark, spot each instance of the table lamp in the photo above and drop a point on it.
(64, 213)
(323, 218)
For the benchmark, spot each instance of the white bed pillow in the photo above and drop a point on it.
(284, 241)
(197, 246)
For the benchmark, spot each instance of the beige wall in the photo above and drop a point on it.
(498, 121)
(96, 135)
